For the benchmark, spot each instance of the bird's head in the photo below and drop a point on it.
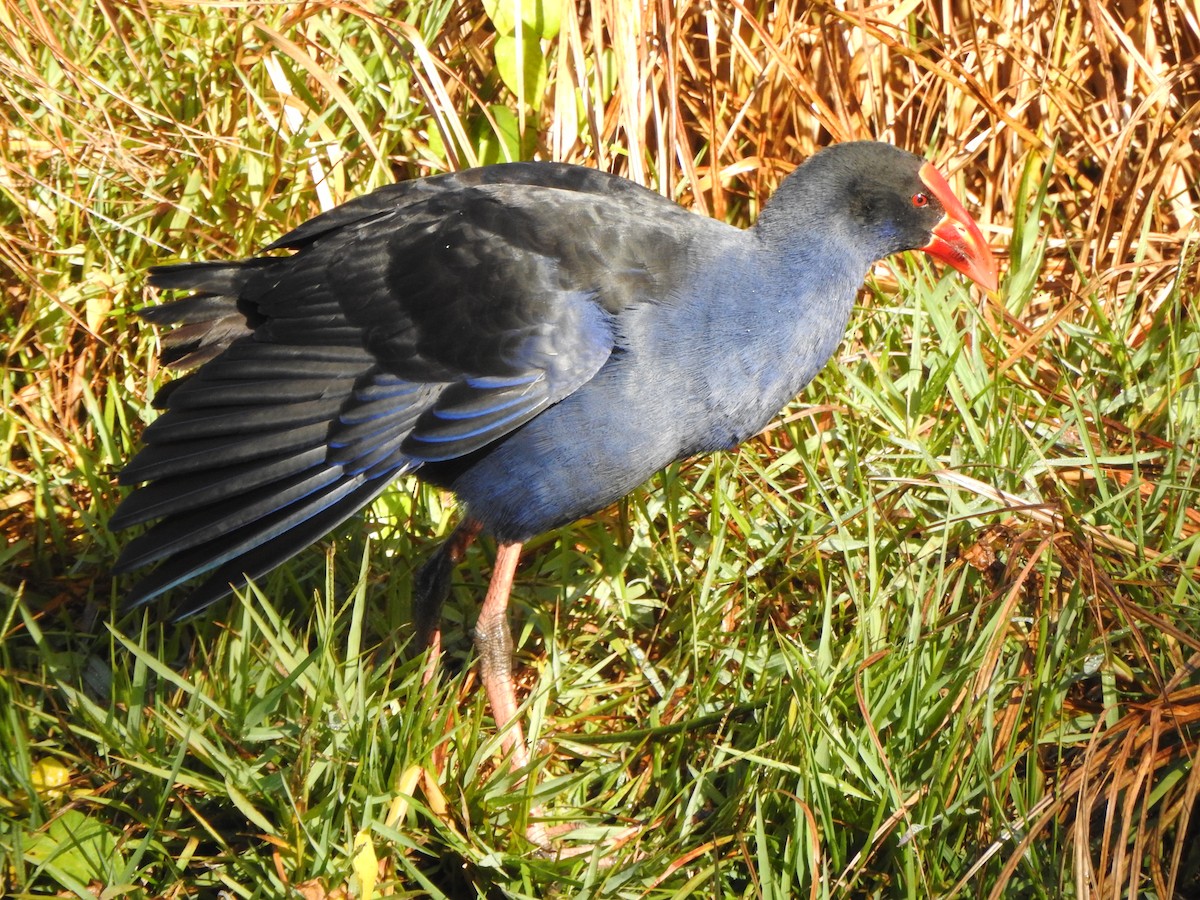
(876, 199)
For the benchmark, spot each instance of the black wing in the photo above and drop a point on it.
(419, 323)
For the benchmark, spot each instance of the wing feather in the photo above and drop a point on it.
(422, 322)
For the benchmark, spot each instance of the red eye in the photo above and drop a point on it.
(920, 199)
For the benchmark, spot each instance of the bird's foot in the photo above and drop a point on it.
(553, 841)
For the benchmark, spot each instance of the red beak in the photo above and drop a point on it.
(956, 240)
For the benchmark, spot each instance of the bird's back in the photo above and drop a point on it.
(418, 326)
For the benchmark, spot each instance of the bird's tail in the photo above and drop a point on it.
(261, 451)
(208, 321)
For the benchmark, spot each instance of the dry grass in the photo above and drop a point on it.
(1073, 128)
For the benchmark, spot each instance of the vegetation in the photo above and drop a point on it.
(933, 633)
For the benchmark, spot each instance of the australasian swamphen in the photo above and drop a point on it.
(537, 338)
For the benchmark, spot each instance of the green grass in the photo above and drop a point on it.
(933, 633)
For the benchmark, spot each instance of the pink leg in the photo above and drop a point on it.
(493, 642)
(431, 586)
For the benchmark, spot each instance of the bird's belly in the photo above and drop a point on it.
(575, 458)
(592, 449)
(661, 399)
